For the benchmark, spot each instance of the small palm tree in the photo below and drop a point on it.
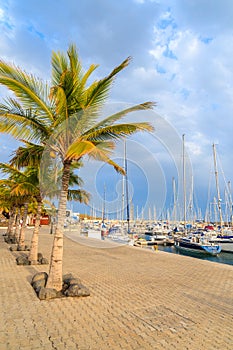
(65, 118)
(23, 186)
(28, 184)
(9, 204)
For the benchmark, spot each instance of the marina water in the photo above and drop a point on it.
(222, 258)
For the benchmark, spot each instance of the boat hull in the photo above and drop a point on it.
(144, 243)
(227, 246)
(198, 248)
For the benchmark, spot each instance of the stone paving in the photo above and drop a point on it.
(140, 299)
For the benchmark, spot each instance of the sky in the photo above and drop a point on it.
(181, 59)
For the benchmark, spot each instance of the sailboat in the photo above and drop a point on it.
(195, 242)
(223, 238)
(119, 233)
(96, 229)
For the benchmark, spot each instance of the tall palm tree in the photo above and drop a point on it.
(65, 117)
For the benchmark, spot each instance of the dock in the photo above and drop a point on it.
(140, 299)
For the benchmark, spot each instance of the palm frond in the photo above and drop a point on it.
(76, 165)
(30, 155)
(75, 180)
(82, 121)
(24, 189)
(11, 171)
(21, 123)
(32, 92)
(119, 115)
(79, 195)
(59, 65)
(78, 149)
(85, 77)
(98, 91)
(116, 131)
(61, 104)
(75, 64)
(100, 155)
(105, 146)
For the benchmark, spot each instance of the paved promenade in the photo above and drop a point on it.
(139, 300)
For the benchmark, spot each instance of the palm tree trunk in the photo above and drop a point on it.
(10, 229)
(33, 255)
(22, 230)
(17, 228)
(55, 269)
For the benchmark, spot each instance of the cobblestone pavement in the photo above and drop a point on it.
(139, 300)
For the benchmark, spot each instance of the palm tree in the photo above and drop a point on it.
(74, 194)
(65, 118)
(30, 157)
(23, 185)
(8, 204)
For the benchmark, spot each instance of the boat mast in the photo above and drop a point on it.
(149, 215)
(103, 215)
(215, 203)
(142, 214)
(154, 214)
(123, 193)
(184, 182)
(126, 188)
(226, 206)
(230, 204)
(217, 187)
(174, 200)
(191, 218)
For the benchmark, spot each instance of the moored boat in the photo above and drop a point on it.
(224, 238)
(141, 242)
(226, 242)
(196, 244)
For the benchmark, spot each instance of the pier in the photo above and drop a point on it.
(139, 300)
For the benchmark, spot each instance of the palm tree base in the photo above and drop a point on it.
(24, 260)
(71, 287)
(10, 239)
(34, 262)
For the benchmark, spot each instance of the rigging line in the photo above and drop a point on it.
(222, 172)
(217, 186)
(209, 189)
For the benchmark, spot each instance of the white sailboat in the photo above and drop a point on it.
(119, 233)
(225, 237)
(195, 242)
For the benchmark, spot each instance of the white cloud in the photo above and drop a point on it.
(1, 14)
(182, 56)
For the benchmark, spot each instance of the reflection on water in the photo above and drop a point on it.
(222, 258)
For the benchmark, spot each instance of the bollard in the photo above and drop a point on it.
(155, 247)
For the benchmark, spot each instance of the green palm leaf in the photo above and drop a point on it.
(97, 93)
(79, 149)
(116, 131)
(79, 195)
(100, 155)
(21, 123)
(31, 92)
(119, 115)
(30, 155)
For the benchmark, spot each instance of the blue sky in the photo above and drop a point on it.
(182, 59)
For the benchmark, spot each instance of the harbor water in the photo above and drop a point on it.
(222, 258)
